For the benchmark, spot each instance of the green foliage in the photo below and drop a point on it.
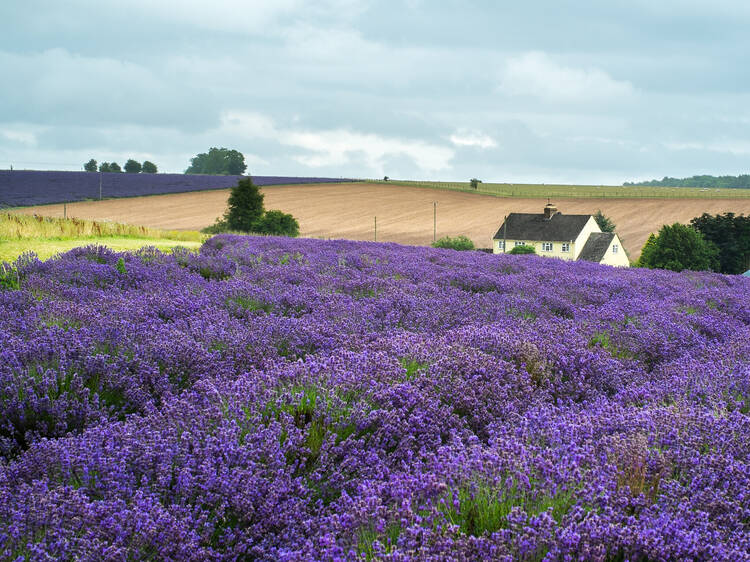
(104, 167)
(90, 166)
(121, 266)
(724, 182)
(522, 250)
(245, 206)
(678, 247)
(114, 167)
(9, 279)
(731, 234)
(218, 161)
(460, 242)
(605, 223)
(474, 183)
(149, 167)
(133, 167)
(277, 223)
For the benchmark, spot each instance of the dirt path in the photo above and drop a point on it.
(404, 214)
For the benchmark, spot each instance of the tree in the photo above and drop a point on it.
(460, 242)
(731, 234)
(604, 222)
(218, 161)
(149, 167)
(474, 182)
(133, 167)
(114, 167)
(680, 247)
(104, 167)
(277, 223)
(90, 166)
(522, 249)
(245, 206)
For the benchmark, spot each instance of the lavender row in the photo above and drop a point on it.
(25, 187)
(297, 399)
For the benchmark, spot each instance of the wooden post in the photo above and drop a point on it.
(65, 210)
(434, 221)
(376, 229)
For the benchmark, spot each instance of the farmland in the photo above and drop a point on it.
(404, 214)
(31, 187)
(302, 399)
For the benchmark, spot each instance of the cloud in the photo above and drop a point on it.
(537, 74)
(464, 137)
(339, 147)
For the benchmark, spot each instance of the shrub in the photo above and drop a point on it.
(474, 182)
(245, 206)
(460, 242)
(133, 167)
(523, 249)
(678, 247)
(149, 167)
(277, 223)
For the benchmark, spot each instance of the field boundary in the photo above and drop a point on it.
(557, 191)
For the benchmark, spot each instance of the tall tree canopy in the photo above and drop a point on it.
(679, 247)
(90, 166)
(245, 206)
(731, 234)
(149, 167)
(218, 161)
(133, 167)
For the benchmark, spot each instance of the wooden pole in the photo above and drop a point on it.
(65, 210)
(434, 220)
(376, 229)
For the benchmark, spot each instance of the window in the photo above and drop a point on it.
(520, 243)
(546, 246)
(501, 245)
(614, 248)
(566, 247)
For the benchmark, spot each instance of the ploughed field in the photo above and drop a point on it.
(298, 399)
(404, 214)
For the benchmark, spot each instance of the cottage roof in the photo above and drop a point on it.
(596, 246)
(532, 226)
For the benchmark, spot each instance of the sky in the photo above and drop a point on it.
(554, 91)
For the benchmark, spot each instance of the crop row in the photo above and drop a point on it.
(26, 187)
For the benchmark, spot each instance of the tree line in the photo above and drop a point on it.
(131, 167)
(719, 243)
(727, 182)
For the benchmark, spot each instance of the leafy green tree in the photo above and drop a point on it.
(678, 247)
(245, 206)
(104, 167)
(605, 223)
(731, 234)
(646, 251)
(218, 161)
(277, 223)
(114, 167)
(90, 166)
(133, 167)
(523, 249)
(460, 242)
(149, 167)
(474, 182)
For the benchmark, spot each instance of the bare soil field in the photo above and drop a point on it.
(404, 214)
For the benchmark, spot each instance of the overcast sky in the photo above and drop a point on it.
(538, 91)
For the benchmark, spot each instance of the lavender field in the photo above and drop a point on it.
(29, 187)
(279, 399)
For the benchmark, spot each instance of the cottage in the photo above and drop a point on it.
(553, 234)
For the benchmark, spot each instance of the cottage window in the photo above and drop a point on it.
(501, 245)
(566, 247)
(518, 243)
(614, 248)
(546, 246)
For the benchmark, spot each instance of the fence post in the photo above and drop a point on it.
(376, 229)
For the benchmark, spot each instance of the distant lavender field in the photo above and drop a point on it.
(28, 187)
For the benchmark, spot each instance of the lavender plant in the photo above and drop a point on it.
(286, 399)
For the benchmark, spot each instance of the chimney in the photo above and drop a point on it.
(549, 211)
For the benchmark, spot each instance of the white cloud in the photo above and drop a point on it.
(338, 147)
(19, 136)
(736, 147)
(464, 137)
(537, 74)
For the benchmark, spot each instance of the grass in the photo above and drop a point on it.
(49, 236)
(557, 191)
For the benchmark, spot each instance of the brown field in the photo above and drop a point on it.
(404, 214)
